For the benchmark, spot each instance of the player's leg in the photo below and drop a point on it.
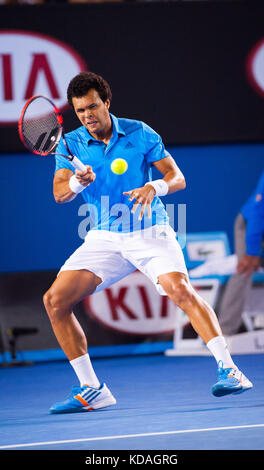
(204, 320)
(161, 259)
(201, 315)
(69, 288)
(96, 264)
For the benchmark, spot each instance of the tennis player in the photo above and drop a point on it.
(141, 238)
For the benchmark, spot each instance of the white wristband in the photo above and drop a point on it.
(160, 186)
(75, 186)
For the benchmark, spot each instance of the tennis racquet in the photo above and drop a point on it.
(40, 128)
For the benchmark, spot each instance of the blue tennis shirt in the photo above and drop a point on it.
(253, 213)
(106, 206)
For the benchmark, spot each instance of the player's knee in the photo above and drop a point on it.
(54, 304)
(180, 292)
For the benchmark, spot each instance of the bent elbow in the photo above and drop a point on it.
(58, 199)
(183, 183)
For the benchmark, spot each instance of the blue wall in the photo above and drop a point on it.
(36, 233)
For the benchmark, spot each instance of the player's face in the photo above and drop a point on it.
(93, 113)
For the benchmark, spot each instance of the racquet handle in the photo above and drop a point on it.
(78, 164)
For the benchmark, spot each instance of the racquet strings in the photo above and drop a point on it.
(40, 127)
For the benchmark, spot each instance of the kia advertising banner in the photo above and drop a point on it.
(130, 312)
(132, 306)
(193, 70)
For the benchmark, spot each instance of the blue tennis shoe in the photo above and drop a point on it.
(85, 399)
(230, 381)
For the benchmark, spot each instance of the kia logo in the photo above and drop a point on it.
(255, 67)
(132, 306)
(31, 64)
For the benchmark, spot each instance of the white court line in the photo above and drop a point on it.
(127, 436)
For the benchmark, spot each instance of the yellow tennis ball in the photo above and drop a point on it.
(119, 166)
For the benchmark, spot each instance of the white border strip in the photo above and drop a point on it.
(127, 436)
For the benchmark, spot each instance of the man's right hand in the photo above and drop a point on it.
(85, 177)
(248, 264)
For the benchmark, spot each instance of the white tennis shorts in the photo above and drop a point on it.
(114, 255)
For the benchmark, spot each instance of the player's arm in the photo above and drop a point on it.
(172, 174)
(64, 189)
(174, 181)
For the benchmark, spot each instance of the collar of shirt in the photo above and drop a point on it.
(117, 130)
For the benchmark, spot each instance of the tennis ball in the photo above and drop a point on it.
(119, 166)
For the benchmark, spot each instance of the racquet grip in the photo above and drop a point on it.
(78, 164)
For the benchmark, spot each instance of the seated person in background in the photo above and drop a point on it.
(249, 237)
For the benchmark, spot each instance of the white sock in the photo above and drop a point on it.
(84, 371)
(218, 348)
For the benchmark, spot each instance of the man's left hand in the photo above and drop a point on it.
(143, 196)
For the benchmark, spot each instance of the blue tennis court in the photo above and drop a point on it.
(162, 403)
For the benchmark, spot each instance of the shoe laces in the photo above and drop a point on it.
(227, 372)
(75, 390)
(223, 372)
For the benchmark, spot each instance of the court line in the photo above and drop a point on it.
(127, 436)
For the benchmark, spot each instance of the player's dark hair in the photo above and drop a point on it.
(82, 83)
